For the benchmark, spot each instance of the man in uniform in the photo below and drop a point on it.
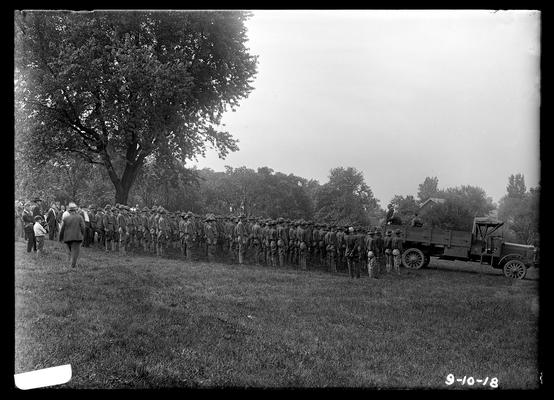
(117, 237)
(292, 243)
(362, 252)
(330, 240)
(174, 224)
(152, 228)
(282, 241)
(190, 235)
(181, 227)
(122, 229)
(100, 228)
(352, 253)
(397, 250)
(108, 223)
(256, 241)
(241, 237)
(139, 228)
(273, 250)
(229, 235)
(163, 232)
(371, 270)
(323, 229)
(145, 229)
(378, 251)
(210, 234)
(93, 223)
(387, 245)
(265, 241)
(302, 235)
(341, 247)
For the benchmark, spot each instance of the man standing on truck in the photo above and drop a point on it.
(416, 221)
(397, 250)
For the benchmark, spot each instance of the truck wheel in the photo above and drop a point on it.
(413, 258)
(515, 269)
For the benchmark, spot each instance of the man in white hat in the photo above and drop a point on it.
(72, 232)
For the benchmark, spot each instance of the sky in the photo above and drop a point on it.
(398, 95)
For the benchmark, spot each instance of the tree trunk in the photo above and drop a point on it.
(123, 185)
(121, 194)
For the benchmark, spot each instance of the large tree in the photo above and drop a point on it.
(519, 209)
(346, 199)
(429, 188)
(117, 87)
(516, 186)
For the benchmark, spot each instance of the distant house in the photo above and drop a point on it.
(493, 214)
(429, 203)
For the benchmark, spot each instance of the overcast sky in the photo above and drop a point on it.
(398, 95)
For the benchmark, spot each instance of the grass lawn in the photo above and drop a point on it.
(142, 322)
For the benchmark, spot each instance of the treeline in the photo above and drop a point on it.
(346, 199)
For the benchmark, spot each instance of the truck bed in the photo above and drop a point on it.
(458, 241)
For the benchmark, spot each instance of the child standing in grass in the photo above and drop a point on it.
(40, 232)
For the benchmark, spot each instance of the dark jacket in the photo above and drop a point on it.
(28, 221)
(73, 228)
(51, 217)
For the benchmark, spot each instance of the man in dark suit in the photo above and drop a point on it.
(52, 222)
(37, 208)
(28, 222)
(72, 233)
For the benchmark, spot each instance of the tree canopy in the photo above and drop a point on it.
(346, 199)
(519, 208)
(117, 87)
(462, 204)
(429, 188)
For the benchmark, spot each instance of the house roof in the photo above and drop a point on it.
(434, 200)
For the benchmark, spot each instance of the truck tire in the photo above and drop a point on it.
(413, 258)
(515, 269)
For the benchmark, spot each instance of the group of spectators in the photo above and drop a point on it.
(33, 224)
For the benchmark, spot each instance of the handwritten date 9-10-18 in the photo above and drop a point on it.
(471, 381)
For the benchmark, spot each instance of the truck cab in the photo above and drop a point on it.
(488, 246)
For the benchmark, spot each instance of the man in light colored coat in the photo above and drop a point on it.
(72, 233)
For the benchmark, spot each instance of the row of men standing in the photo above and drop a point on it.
(273, 242)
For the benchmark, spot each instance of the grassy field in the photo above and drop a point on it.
(142, 322)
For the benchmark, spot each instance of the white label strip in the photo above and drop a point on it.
(43, 377)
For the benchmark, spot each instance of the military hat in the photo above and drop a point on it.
(389, 232)
(108, 207)
(378, 232)
(38, 217)
(37, 199)
(398, 231)
(145, 209)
